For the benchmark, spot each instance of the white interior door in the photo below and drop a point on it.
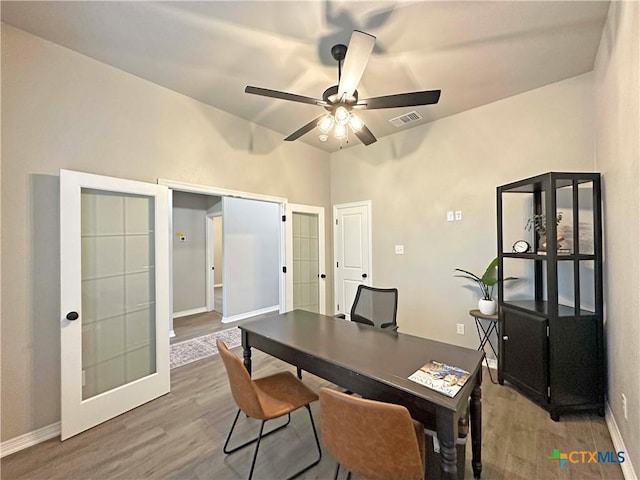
(305, 258)
(115, 308)
(352, 250)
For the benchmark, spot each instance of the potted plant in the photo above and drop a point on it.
(486, 282)
(538, 223)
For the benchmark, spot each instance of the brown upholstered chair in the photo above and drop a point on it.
(265, 399)
(376, 440)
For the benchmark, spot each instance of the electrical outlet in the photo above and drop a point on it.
(624, 406)
(450, 216)
(460, 328)
(399, 249)
(458, 215)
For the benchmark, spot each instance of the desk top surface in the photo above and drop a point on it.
(389, 357)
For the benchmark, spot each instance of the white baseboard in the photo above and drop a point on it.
(618, 444)
(193, 311)
(217, 285)
(29, 439)
(493, 363)
(242, 316)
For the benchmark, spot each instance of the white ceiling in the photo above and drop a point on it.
(476, 52)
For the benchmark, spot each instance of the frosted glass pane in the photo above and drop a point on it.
(138, 215)
(102, 298)
(305, 261)
(118, 290)
(140, 290)
(102, 340)
(139, 329)
(102, 213)
(139, 363)
(139, 253)
(103, 256)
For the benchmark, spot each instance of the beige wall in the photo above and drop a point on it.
(618, 158)
(414, 178)
(61, 109)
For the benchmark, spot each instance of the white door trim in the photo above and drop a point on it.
(369, 281)
(319, 211)
(225, 192)
(217, 191)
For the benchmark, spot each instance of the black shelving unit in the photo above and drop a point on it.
(551, 330)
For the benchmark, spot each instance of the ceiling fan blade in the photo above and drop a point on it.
(365, 136)
(409, 99)
(265, 92)
(302, 130)
(358, 53)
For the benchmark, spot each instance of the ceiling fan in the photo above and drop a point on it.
(342, 100)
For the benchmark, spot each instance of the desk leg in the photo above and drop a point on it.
(446, 430)
(246, 352)
(476, 427)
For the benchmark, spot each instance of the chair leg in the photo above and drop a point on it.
(255, 452)
(315, 434)
(299, 371)
(235, 449)
(261, 435)
(335, 477)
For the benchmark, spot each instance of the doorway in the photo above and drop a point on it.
(231, 238)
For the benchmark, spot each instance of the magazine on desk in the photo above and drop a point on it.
(440, 377)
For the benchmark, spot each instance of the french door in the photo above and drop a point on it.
(305, 259)
(114, 267)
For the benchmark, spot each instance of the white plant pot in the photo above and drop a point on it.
(488, 307)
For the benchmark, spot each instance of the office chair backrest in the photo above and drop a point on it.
(373, 439)
(375, 306)
(242, 388)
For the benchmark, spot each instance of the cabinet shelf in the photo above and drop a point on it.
(542, 308)
(551, 351)
(560, 256)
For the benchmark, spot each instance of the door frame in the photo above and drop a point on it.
(225, 192)
(336, 207)
(313, 210)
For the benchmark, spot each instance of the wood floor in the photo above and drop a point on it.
(180, 435)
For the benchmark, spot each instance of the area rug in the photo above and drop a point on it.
(197, 348)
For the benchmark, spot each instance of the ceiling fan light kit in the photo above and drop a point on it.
(339, 100)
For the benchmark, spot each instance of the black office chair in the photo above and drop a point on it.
(376, 306)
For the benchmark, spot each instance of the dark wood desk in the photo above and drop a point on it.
(376, 364)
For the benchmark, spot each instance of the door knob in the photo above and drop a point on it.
(322, 275)
(505, 338)
(364, 275)
(72, 316)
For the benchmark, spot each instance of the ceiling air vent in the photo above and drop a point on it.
(406, 119)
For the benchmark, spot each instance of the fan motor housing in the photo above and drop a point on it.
(332, 92)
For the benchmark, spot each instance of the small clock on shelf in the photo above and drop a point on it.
(521, 246)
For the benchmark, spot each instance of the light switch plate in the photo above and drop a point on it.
(450, 217)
